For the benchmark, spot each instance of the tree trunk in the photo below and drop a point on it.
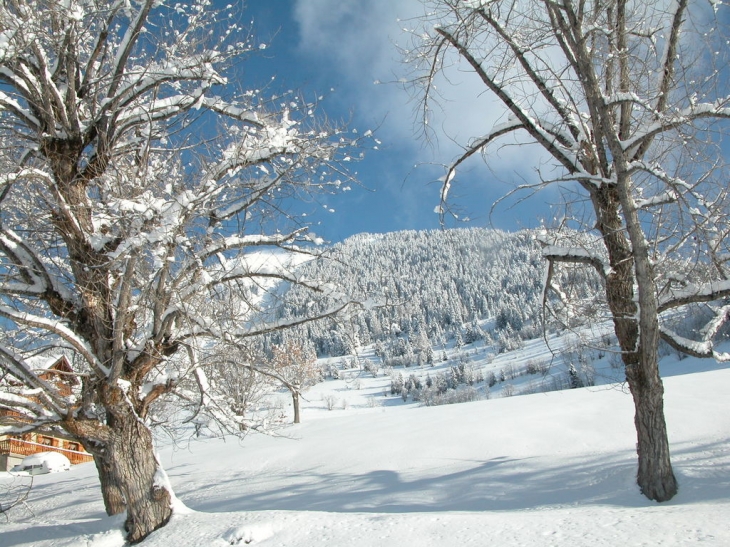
(295, 400)
(130, 475)
(655, 476)
(114, 503)
(131, 453)
(637, 331)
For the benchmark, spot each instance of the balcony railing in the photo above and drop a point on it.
(28, 448)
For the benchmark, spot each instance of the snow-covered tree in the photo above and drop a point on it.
(396, 383)
(235, 387)
(295, 367)
(473, 269)
(628, 102)
(141, 217)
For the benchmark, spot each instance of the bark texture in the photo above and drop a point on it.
(130, 475)
(132, 457)
(655, 476)
(114, 502)
(637, 333)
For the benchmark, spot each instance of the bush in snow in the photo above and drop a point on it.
(431, 397)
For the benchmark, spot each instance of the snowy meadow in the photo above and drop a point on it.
(147, 180)
(543, 469)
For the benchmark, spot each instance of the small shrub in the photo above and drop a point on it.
(330, 401)
(537, 367)
(431, 397)
(373, 402)
(491, 379)
(371, 368)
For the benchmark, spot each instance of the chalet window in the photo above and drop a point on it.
(47, 441)
(74, 446)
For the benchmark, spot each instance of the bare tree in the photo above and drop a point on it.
(295, 366)
(141, 196)
(241, 384)
(14, 492)
(244, 374)
(628, 101)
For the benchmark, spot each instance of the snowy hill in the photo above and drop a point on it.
(543, 469)
(437, 284)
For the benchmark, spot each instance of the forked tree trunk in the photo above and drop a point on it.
(655, 476)
(637, 331)
(130, 475)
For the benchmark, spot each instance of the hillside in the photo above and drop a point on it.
(433, 286)
(540, 470)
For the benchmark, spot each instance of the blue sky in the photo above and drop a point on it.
(339, 49)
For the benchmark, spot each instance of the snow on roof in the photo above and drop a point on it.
(48, 362)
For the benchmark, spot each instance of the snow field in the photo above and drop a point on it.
(537, 470)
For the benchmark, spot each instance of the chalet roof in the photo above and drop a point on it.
(63, 366)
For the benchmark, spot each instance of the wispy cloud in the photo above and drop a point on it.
(360, 43)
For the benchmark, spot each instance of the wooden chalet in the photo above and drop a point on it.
(13, 448)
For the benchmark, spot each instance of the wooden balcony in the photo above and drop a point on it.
(19, 447)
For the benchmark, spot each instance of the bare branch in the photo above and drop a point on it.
(540, 134)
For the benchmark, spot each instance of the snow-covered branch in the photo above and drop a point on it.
(576, 255)
(703, 349)
(473, 148)
(24, 414)
(546, 91)
(57, 328)
(668, 67)
(35, 390)
(550, 142)
(686, 117)
(36, 279)
(675, 297)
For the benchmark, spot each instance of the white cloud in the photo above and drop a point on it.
(358, 35)
(359, 43)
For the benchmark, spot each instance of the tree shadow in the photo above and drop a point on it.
(438, 485)
(499, 484)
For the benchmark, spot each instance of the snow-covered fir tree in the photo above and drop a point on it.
(435, 286)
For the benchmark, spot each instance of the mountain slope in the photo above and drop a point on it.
(435, 285)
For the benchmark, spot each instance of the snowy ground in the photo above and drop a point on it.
(536, 470)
